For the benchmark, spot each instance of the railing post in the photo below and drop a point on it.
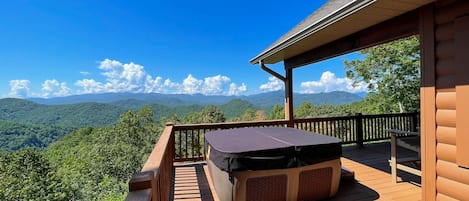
(414, 122)
(289, 97)
(142, 181)
(359, 129)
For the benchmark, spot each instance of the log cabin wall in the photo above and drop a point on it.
(448, 179)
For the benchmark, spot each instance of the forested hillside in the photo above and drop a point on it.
(88, 164)
(27, 124)
(14, 135)
(72, 115)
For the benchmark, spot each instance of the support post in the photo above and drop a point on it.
(289, 97)
(359, 129)
(393, 158)
(428, 101)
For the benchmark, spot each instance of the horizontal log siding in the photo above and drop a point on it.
(452, 182)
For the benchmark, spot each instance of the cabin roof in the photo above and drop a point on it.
(332, 21)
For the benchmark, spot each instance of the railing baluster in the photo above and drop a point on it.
(185, 140)
(197, 142)
(331, 129)
(342, 130)
(373, 127)
(193, 145)
(180, 144)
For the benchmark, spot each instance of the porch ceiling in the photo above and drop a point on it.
(334, 20)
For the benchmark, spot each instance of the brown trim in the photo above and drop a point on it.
(289, 96)
(428, 102)
(399, 27)
(461, 44)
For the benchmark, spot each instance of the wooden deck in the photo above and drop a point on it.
(370, 164)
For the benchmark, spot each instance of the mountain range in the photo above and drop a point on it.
(104, 109)
(263, 100)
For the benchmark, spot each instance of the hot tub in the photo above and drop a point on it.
(273, 164)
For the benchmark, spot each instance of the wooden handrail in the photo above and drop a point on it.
(229, 125)
(154, 181)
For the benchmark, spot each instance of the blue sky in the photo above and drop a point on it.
(56, 48)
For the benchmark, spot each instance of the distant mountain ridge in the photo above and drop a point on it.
(70, 115)
(263, 100)
(277, 97)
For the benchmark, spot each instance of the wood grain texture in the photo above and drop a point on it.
(372, 174)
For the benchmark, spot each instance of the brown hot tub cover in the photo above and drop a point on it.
(269, 148)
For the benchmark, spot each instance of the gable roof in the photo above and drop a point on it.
(334, 20)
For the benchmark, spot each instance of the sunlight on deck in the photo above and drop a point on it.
(186, 186)
(372, 179)
(374, 184)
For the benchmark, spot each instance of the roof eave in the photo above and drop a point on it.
(340, 13)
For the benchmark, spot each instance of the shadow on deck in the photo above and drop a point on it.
(370, 164)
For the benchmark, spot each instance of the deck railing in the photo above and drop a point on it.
(154, 181)
(350, 129)
(186, 143)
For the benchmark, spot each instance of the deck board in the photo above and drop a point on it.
(370, 164)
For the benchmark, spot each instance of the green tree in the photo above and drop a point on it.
(235, 108)
(277, 112)
(248, 115)
(210, 114)
(27, 175)
(391, 70)
(327, 110)
(305, 110)
(260, 115)
(174, 118)
(98, 162)
(373, 104)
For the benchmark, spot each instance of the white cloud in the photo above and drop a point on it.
(123, 77)
(19, 88)
(169, 84)
(215, 85)
(274, 84)
(51, 88)
(235, 90)
(132, 77)
(90, 86)
(120, 77)
(153, 85)
(329, 82)
(191, 85)
(171, 87)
